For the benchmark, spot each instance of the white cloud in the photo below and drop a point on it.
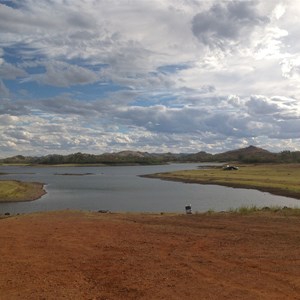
(167, 75)
(290, 68)
(279, 11)
(6, 120)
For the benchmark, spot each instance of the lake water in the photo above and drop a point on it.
(120, 189)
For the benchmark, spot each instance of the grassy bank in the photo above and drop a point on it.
(15, 191)
(258, 211)
(280, 179)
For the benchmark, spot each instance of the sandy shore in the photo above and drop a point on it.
(80, 255)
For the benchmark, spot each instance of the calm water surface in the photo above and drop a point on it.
(120, 189)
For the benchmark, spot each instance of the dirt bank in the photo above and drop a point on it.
(77, 255)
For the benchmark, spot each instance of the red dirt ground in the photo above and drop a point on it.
(80, 255)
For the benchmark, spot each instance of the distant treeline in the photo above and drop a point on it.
(81, 158)
(250, 154)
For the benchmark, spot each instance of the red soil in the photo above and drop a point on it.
(77, 255)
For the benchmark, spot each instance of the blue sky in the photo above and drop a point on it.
(157, 76)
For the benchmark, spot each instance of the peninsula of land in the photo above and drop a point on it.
(18, 191)
(278, 179)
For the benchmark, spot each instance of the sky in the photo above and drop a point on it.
(180, 76)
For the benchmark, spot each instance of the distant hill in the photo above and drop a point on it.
(200, 156)
(18, 159)
(128, 153)
(249, 154)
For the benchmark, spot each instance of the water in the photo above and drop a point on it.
(119, 189)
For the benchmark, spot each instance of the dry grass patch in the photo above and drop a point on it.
(14, 191)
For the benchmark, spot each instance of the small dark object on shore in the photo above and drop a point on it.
(230, 168)
(188, 209)
(7, 214)
(103, 211)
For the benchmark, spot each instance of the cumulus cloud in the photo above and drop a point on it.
(6, 120)
(279, 107)
(13, 108)
(262, 105)
(226, 22)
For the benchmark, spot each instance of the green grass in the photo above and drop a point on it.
(253, 209)
(283, 179)
(247, 210)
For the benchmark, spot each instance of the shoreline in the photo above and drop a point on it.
(271, 190)
(24, 191)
